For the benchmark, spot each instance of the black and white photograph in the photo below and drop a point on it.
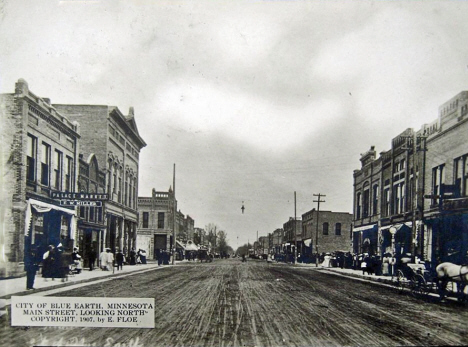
(233, 173)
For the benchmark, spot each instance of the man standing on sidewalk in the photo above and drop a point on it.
(31, 267)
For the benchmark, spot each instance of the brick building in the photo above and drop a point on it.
(156, 222)
(422, 198)
(39, 156)
(91, 222)
(445, 236)
(114, 140)
(332, 233)
(292, 233)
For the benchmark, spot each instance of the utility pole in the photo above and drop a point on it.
(294, 230)
(174, 220)
(318, 201)
(412, 145)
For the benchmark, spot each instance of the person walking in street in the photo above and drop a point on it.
(119, 258)
(30, 266)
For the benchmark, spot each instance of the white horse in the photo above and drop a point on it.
(449, 272)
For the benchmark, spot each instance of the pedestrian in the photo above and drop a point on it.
(110, 259)
(132, 257)
(92, 259)
(30, 266)
(48, 260)
(159, 256)
(103, 260)
(119, 258)
(76, 257)
(62, 263)
(143, 256)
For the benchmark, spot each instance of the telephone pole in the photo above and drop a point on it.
(318, 201)
(174, 220)
(294, 230)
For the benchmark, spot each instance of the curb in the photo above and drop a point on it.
(69, 283)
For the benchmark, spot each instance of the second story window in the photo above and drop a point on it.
(437, 181)
(365, 204)
(358, 206)
(58, 170)
(145, 220)
(375, 199)
(338, 229)
(31, 158)
(325, 228)
(45, 164)
(160, 220)
(68, 175)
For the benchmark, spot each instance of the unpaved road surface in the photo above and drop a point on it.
(229, 303)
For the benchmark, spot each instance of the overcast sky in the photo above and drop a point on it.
(252, 100)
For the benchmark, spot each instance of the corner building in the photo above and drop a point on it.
(40, 149)
(115, 141)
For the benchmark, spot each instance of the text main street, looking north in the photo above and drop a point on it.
(230, 303)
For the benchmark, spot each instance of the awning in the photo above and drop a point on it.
(43, 207)
(397, 226)
(307, 242)
(190, 246)
(180, 245)
(365, 227)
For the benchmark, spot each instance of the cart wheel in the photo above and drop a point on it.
(419, 286)
(401, 279)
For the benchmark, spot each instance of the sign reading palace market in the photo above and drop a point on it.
(79, 196)
(80, 199)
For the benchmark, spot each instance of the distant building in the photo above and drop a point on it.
(40, 148)
(292, 233)
(332, 233)
(116, 143)
(156, 222)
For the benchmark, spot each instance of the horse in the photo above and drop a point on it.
(452, 272)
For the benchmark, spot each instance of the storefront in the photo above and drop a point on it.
(365, 239)
(48, 224)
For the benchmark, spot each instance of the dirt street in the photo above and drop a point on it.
(229, 303)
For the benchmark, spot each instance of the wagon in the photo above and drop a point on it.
(422, 281)
(416, 278)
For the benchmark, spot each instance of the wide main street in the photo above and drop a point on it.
(230, 303)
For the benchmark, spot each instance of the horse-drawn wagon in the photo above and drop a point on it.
(447, 280)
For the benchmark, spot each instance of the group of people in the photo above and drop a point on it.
(57, 262)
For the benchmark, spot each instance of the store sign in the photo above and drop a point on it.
(79, 196)
(80, 203)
